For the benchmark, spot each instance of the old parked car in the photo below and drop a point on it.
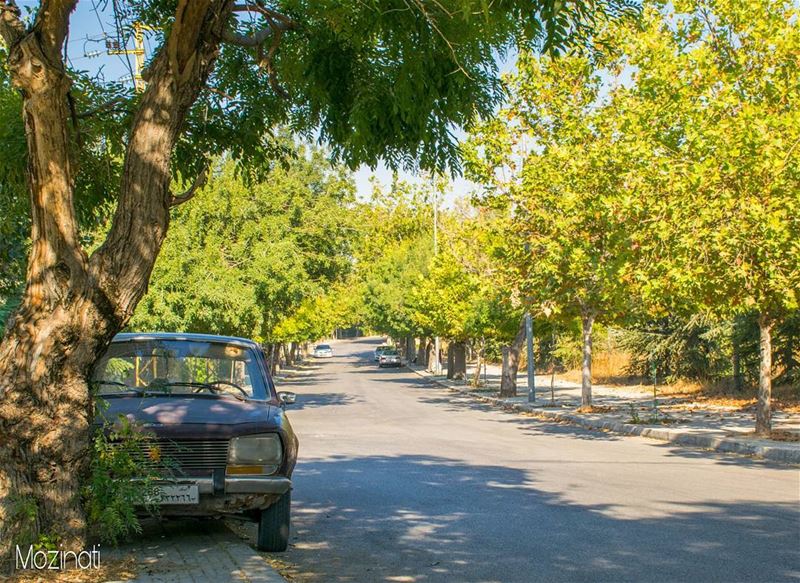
(389, 357)
(217, 424)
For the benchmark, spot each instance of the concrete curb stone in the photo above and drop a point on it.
(774, 452)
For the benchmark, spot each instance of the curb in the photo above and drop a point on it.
(778, 453)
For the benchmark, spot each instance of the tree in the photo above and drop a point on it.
(552, 158)
(395, 250)
(253, 258)
(715, 98)
(375, 84)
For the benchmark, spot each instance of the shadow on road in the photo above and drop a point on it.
(427, 518)
(309, 400)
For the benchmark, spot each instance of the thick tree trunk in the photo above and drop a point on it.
(459, 350)
(508, 375)
(73, 305)
(587, 321)
(421, 352)
(410, 348)
(763, 407)
(451, 363)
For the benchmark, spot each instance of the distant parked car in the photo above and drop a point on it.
(323, 351)
(379, 351)
(389, 357)
(217, 430)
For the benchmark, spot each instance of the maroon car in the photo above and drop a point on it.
(214, 413)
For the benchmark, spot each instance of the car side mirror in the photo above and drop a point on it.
(286, 398)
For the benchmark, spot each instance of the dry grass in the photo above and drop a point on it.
(595, 409)
(119, 570)
(608, 369)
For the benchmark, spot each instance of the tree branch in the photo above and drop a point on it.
(108, 106)
(242, 40)
(199, 182)
(277, 24)
(11, 27)
(52, 22)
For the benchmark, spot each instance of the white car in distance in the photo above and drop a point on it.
(323, 351)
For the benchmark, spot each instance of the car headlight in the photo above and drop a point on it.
(264, 450)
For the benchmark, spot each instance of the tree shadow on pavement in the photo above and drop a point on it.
(426, 518)
(311, 400)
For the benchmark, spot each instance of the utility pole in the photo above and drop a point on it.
(437, 365)
(531, 370)
(137, 51)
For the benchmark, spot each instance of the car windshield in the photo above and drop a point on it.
(179, 367)
(390, 352)
(323, 347)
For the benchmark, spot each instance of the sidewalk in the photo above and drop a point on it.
(680, 420)
(189, 551)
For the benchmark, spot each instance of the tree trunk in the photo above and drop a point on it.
(459, 350)
(451, 363)
(508, 375)
(587, 321)
(410, 348)
(422, 352)
(429, 354)
(74, 304)
(763, 408)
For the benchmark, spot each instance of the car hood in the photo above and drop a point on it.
(193, 416)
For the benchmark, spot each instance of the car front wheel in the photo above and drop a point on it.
(273, 526)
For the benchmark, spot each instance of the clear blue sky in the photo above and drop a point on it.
(90, 26)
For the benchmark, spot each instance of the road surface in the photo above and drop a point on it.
(398, 480)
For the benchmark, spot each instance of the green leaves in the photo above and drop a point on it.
(254, 259)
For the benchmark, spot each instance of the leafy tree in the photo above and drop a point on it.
(256, 259)
(714, 99)
(397, 244)
(375, 81)
(554, 159)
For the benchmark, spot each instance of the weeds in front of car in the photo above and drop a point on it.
(122, 480)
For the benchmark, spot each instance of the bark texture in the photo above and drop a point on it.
(508, 375)
(459, 350)
(421, 352)
(74, 304)
(451, 368)
(410, 348)
(587, 321)
(763, 407)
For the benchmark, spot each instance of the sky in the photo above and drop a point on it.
(92, 24)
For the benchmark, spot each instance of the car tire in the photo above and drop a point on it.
(273, 526)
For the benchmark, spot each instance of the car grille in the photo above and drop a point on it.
(183, 455)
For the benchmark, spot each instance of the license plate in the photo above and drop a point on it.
(178, 494)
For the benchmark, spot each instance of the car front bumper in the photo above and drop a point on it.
(234, 495)
(242, 485)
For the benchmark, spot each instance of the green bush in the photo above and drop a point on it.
(122, 481)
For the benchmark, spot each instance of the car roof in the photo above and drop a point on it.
(187, 336)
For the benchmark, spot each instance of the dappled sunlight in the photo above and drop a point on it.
(424, 517)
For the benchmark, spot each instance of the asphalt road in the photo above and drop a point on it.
(398, 480)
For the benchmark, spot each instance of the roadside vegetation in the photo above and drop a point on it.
(639, 180)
